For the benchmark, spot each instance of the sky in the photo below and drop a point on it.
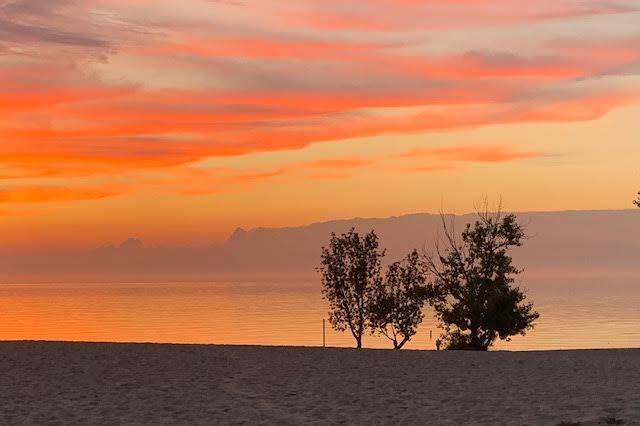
(176, 122)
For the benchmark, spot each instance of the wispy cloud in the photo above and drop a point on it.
(199, 181)
(473, 153)
(44, 194)
(112, 87)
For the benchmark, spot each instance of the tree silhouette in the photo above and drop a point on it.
(474, 295)
(398, 300)
(637, 200)
(350, 269)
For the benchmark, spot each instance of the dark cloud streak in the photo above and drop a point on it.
(11, 31)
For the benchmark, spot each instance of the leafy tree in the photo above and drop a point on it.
(350, 269)
(474, 295)
(637, 200)
(398, 300)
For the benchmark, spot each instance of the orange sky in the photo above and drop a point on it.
(177, 122)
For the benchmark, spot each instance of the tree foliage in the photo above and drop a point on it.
(398, 300)
(350, 269)
(474, 295)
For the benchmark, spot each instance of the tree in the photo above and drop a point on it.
(637, 200)
(350, 269)
(474, 295)
(398, 300)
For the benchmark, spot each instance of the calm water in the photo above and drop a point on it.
(574, 314)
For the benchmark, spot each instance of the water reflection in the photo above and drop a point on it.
(573, 314)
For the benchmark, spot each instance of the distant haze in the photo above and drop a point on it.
(571, 243)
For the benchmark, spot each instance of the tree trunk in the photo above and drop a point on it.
(475, 339)
(401, 344)
(358, 342)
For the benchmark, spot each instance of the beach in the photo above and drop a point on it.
(109, 383)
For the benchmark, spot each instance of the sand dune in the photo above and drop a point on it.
(84, 383)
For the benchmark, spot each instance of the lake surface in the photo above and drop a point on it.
(575, 313)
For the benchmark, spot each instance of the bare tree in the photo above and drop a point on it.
(475, 298)
(399, 299)
(350, 269)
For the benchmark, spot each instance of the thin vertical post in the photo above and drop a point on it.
(430, 335)
(323, 335)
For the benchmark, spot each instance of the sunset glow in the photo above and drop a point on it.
(177, 122)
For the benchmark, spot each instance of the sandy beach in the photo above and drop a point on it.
(104, 383)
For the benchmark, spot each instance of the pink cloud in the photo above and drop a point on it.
(108, 87)
(412, 15)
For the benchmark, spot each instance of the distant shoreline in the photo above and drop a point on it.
(260, 346)
(143, 383)
(588, 240)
